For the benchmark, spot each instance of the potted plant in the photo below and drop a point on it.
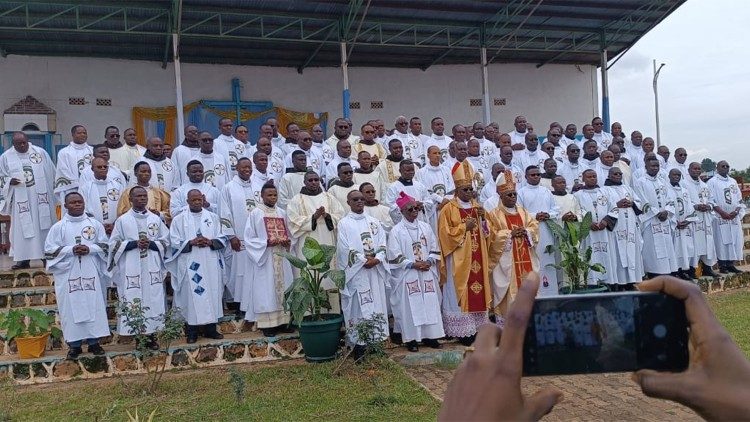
(307, 300)
(575, 262)
(31, 328)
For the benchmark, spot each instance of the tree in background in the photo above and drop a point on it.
(708, 165)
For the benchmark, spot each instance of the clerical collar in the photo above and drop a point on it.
(546, 176)
(357, 216)
(76, 218)
(360, 170)
(406, 182)
(306, 191)
(293, 170)
(338, 182)
(675, 184)
(389, 157)
(150, 156)
(609, 182)
(591, 157)
(207, 154)
(243, 183)
(556, 193)
(186, 145)
(140, 213)
(370, 142)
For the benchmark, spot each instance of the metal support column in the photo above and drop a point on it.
(178, 90)
(485, 87)
(345, 74)
(605, 91)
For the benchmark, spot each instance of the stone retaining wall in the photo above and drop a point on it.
(224, 352)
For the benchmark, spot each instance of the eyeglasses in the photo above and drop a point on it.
(241, 131)
(511, 194)
(554, 135)
(369, 131)
(343, 127)
(467, 189)
(535, 174)
(411, 208)
(114, 135)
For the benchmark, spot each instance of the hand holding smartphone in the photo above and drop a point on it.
(606, 332)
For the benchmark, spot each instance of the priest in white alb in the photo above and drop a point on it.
(700, 195)
(729, 209)
(438, 181)
(196, 267)
(268, 275)
(406, 183)
(237, 200)
(178, 197)
(595, 200)
(71, 160)
(313, 212)
(626, 239)
(682, 225)
(102, 195)
(658, 207)
(139, 245)
(539, 202)
(360, 253)
(414, 257)
(27, 177)
(163, 172)
(76, 253)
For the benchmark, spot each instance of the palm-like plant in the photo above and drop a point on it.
(306, 294)
(575, 261)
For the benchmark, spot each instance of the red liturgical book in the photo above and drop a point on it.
(276, 229)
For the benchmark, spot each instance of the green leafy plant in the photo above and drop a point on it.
(134, 316)
(306, 294)
(575, 260)
(28, 323)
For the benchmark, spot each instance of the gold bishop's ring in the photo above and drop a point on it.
(467, 351)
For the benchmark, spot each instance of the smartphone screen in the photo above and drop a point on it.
(578, 334)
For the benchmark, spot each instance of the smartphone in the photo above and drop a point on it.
(606, 332)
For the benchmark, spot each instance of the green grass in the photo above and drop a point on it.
(733, 310)
(286, 392)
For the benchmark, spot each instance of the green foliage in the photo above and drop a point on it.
(306, 294)
(708, 165)
(134, 315)
(28, 323)
(237, 381)
(370, 332)
(574, 260)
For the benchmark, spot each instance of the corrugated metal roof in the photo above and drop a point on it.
(308, 33)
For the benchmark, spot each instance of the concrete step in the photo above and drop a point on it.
(248, 347)
(25, 297)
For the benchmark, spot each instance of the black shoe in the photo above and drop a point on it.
(286, 328)
(21, 265)
(723, 270)
(708, 271)
(268, 332)
(74, 352)
(432, 343)
(96, 349)
(396, 338)
(683, 275)
(191, 339)
(733, 269)
(412, 346)
(691, 273)
(467, 341)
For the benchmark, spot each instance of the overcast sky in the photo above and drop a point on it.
(704, 89)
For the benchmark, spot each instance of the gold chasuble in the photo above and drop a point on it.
(469, 250)
(517, 255)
